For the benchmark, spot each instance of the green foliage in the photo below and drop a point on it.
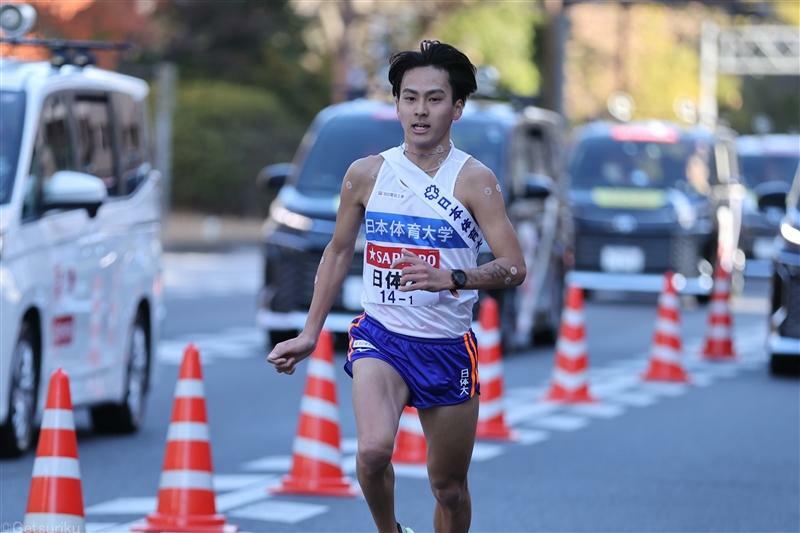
(252, 42)
(499, 34)
(224, 134)
(777, 97)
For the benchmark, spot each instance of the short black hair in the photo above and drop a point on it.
(460, 70)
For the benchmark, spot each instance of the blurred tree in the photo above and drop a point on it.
(357, 37)
(661, 58)
(244, 41)
(246, 95)
(224, 134)
(497, 34)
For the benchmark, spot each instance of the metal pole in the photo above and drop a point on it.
(166, 78)
(555, 43)
(709, 58)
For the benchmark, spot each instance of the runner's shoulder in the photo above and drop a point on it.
(474, 178)
(365, 170)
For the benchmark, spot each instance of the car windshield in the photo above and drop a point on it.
(758, 169)
(342, 140)
(606, 162)
(12, 108)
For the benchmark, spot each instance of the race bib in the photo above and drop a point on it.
(382, 283)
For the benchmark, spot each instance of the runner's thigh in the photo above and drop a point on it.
(379, 394)
(450, 432)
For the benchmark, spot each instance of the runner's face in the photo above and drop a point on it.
(425, 107)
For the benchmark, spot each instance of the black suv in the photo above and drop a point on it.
(768, 163)
(521, 147)
(650, 197)
(784, 339)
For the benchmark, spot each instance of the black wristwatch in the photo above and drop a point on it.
(459, 278)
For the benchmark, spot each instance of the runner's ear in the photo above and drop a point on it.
(459, 108)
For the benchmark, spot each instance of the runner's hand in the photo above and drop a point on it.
(420, 274)
(285, 355)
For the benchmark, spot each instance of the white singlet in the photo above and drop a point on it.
(440, 230)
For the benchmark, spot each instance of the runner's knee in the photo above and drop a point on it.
(450, 494)
(374, 457)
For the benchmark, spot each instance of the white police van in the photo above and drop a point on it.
(79, 237)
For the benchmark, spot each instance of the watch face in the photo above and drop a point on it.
(459, 278)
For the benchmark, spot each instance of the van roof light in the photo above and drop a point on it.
(16, 19)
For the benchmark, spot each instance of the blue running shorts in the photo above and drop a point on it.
(436, 371)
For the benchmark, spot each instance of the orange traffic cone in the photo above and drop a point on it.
(410, 447)
(316, 463)
(719, 338)
(491, 417)
(570, 384)
(665, 357)
(186, 492)
(55, 500)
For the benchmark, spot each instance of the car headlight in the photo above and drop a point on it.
(684, 210)
(283, 216)
(750, 203)
(687, 215)
(790, 233)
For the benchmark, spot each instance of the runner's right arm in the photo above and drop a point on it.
(334, 265)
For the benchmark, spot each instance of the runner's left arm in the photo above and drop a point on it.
(479, 191)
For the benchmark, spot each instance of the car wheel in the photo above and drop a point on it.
(703, 299)
(780, 365)
(17, 433)
(275, 336)
(547, 334)
(508, 321)
(127, 416)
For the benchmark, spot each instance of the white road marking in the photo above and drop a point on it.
(414, 471)
(233, 343)
(193, 274)
(531, 436)
(93, 527)
(226, 482)
(636, 399)
(483, 451)
(519, 413)
(598, 410)
(232, 500)
(350, 445)
(699, 379)
(124, 506)
(559, 422)
(270, 463)
(280, 511)
(665, 389)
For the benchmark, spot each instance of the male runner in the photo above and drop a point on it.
(427, 207)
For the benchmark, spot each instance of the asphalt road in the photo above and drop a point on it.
(719, 455)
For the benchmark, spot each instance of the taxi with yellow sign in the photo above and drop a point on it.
(649, 197)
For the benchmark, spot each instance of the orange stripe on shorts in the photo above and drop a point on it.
(473, 359)
(352, 325)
